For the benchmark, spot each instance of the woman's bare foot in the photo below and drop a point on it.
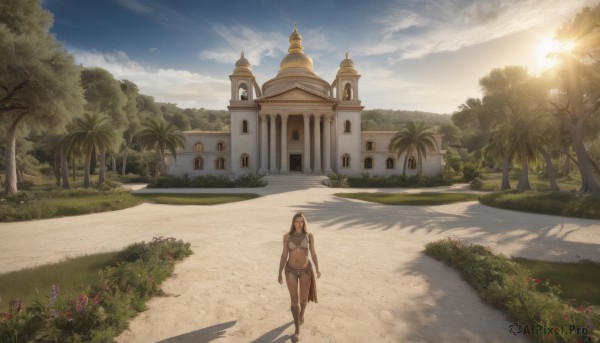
(295, 338)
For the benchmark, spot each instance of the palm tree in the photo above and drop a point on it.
(161, 136)
(414, 137)
(501, 145)
(92, 132)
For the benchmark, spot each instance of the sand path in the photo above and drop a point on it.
(377, 286)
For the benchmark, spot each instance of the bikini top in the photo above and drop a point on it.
(298, 241)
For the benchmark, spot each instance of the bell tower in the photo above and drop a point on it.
(244, 119)
(347, 118)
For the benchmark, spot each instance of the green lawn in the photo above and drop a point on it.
(579, 281)
(194, 199)
(425, 198)
(70, 274)
(491, 181)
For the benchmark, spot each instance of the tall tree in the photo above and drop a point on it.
(103, 94)
(39, 81)
(577, 96)
(130, 90)
(414, 137)
(159, 135)
(92, 132)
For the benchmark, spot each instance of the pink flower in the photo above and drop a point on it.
(16, 305)
(82, 303)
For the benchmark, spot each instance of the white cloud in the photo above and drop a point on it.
(182, 87)
(408, 31)
(256, 45)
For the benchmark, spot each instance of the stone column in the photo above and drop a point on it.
(284, 153)
(317, 131)
(306, 161)
(264, 164)
(327, 144)
(273, 159)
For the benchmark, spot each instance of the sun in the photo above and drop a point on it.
(547, 49)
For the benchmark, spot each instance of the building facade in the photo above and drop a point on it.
(295, 123)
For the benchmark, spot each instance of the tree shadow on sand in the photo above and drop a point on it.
(530, 235)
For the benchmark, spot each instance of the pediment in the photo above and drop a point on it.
(296, 94)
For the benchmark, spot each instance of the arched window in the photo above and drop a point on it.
(199, 147)
(345, 161)
(198, 163)
(243, 92)
(347, 92)
(245, 161)
(389, 163)
(368, 163)
(220, 163)
(220, 146)
(245, 126)
(412, 163)
(347, 126)
(370, 146)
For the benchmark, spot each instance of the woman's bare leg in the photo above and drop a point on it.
(292, 283)
(304, 288)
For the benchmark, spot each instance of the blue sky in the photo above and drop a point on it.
(423, 55)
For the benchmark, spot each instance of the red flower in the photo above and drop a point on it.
(536, 281)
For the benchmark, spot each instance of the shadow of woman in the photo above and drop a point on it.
(271, 336)
(203, 335)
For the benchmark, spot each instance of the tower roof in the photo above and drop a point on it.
(242, 67)
(296, 57)
(347, 67)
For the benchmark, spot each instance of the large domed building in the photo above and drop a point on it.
(295, 123)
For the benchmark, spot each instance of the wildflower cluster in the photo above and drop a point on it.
(510, 286)
(100, 313)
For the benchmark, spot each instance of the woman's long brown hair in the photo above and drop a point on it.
(304, 227)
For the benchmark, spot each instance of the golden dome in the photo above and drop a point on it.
(347, 67)
(242, 66)
(296, 57)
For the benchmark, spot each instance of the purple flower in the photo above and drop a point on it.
(54, 291)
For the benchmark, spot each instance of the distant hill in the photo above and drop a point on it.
(391, 120)
(219, 120)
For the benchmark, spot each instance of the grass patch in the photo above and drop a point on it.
(557, 203)
(71, 274)
(194, 199)
(510, 286)
(578, 280)
(28, 205)
(491, 181)
(419, 199)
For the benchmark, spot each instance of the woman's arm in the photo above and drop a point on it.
(313, 253)
(284, 256)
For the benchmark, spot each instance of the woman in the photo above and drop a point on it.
(298, 269)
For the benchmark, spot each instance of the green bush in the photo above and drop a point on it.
(509, 286)
(208, 181)
(367, 181)
(470, 172)
(96, 314)
(475, 184)
(337, 180)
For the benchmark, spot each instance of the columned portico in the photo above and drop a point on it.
(327, 143)
(284, 152)
(306, 161)
(273, 159)
(317, 133)
(264, 161)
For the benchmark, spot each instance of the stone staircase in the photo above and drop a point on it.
(296, 180)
